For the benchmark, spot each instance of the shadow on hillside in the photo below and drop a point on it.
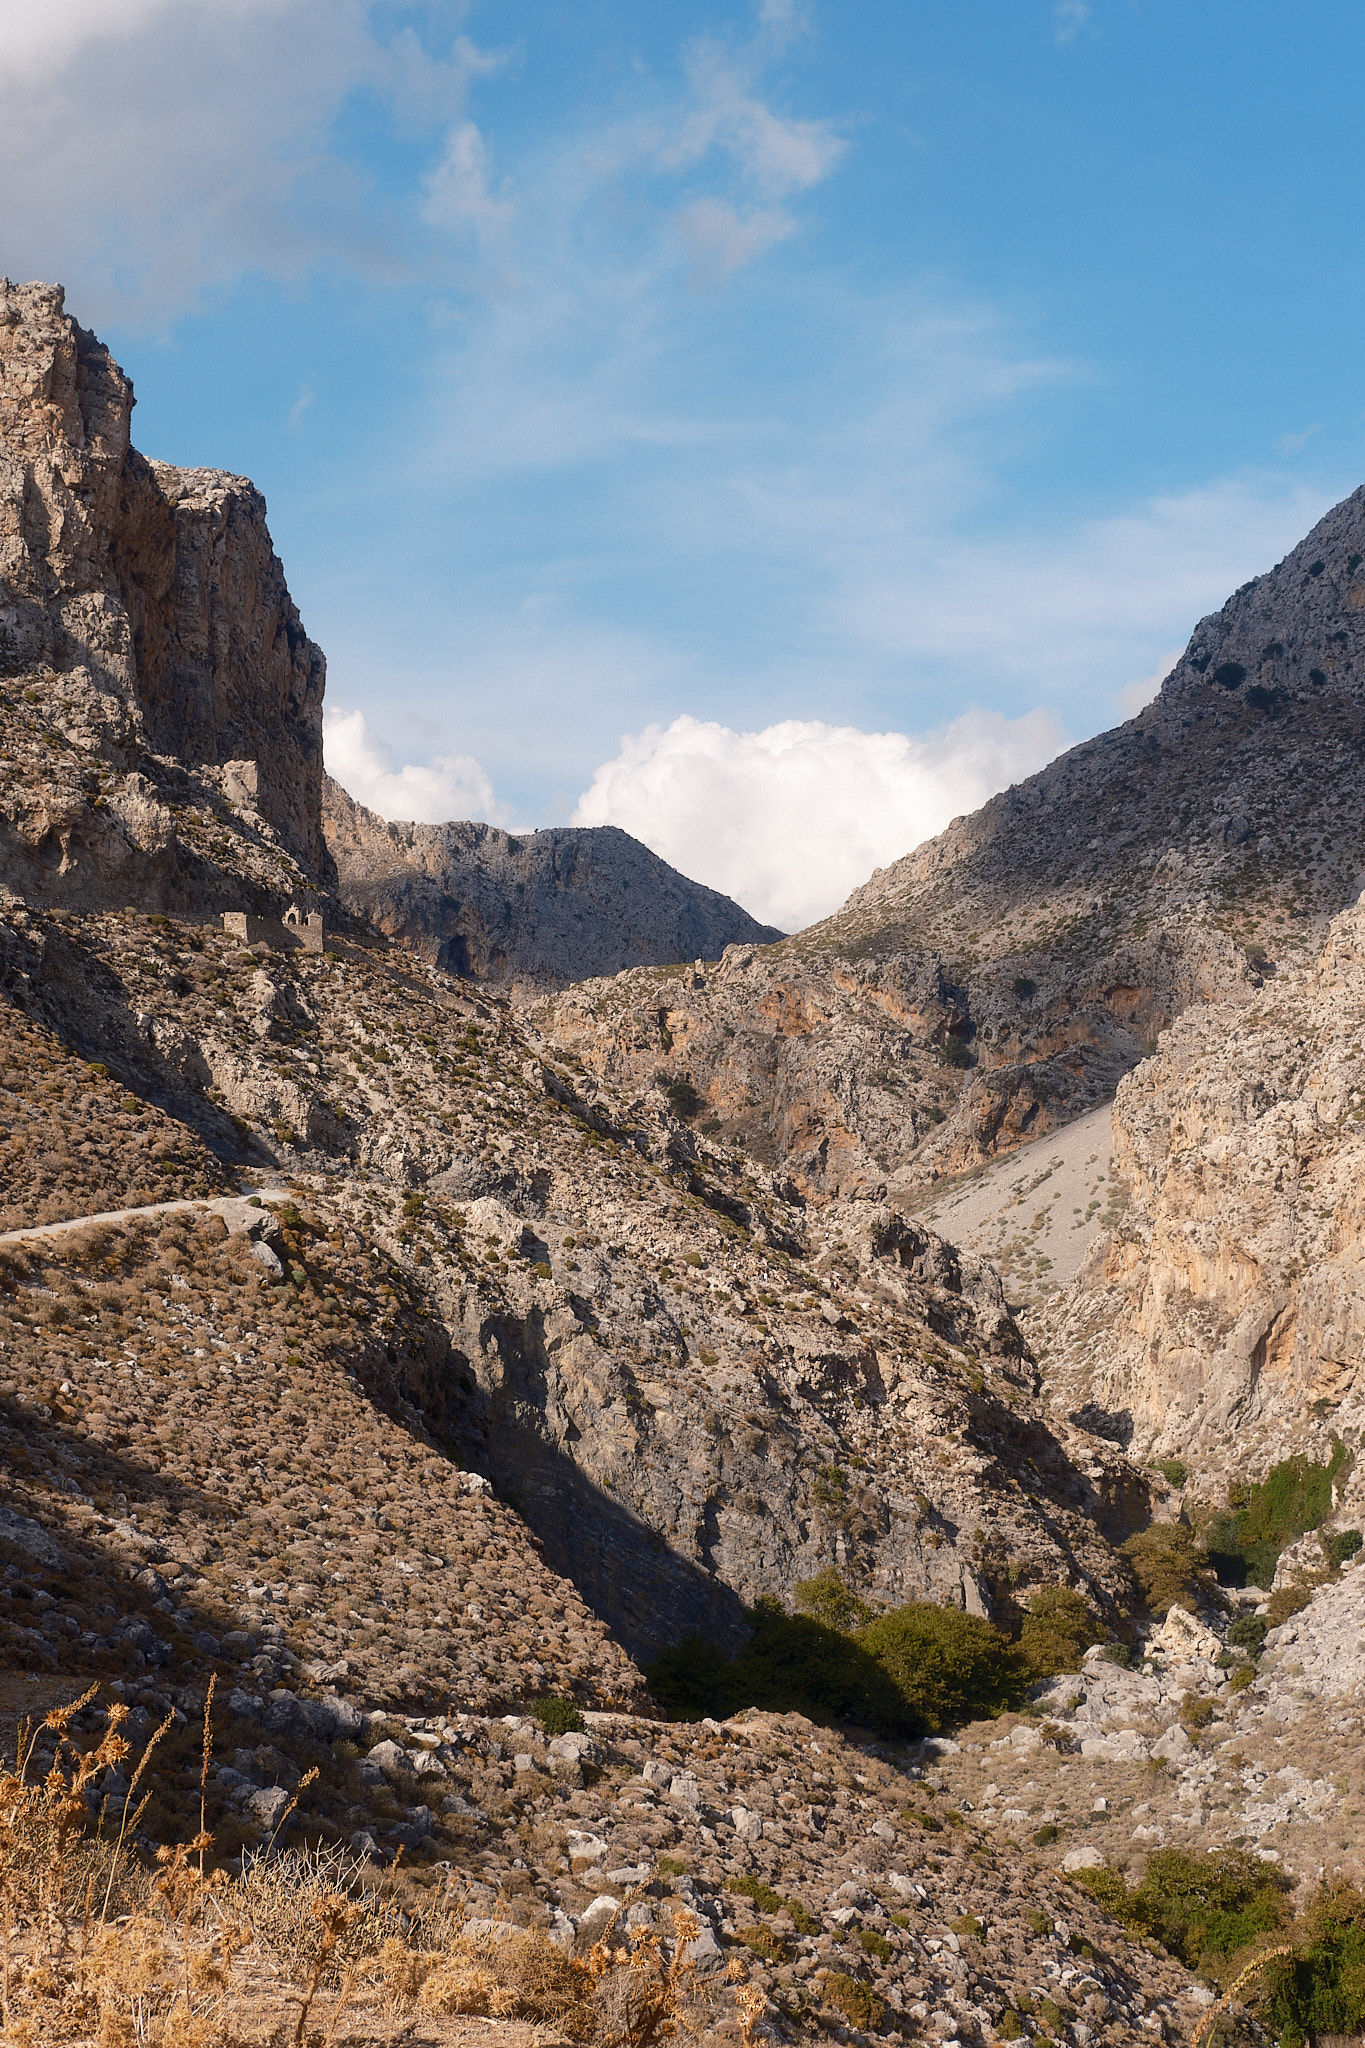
(93, 1573)
(648, 1596)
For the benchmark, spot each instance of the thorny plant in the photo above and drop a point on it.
(100, 1948)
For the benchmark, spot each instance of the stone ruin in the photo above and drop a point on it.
(296, 930)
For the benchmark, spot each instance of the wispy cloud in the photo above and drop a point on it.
(1069, 17)
(153, 149)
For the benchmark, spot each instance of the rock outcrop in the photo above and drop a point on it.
(1222, 1316)
(1004, 976)
(149, 648)
(539, 909)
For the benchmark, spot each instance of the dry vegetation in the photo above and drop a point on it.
(74, 1140)
(98, 1949)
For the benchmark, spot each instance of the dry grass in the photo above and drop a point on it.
(98, 1951)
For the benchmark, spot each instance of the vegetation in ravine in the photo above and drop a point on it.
(905, 1672)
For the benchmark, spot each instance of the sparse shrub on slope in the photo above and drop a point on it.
(907, 1672)
(826, 1598)
(1167, 1566)
(946, 1665)
(1320, 1990)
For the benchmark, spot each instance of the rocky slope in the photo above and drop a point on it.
(1003, 977)
(151, 657)
(1221, 1318)
(543, 909)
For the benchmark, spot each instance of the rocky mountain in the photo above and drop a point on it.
(150, 654)
(1001, 979)
(544, 908)
(389, 1369)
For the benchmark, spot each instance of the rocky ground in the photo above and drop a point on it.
(1036, 1213)
(1114, 1763)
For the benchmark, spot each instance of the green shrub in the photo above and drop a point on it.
(1046, 1835)
(955, 1052)
(1118, 1653)
(1011, 2027)
(826, 1598)
(875, 1944)
(945, 1665)
(556, 1717)
(792, 1664)
(1321, 1989)
(683, 1100)
(1056, 1632)
(1291, 1599)
(904, 1673)
(1340, 1545)
(1174, 1471)
(1249, 1632)
(1203, 1908)
(1244, 1542)
(768, 1901)
(858, 2002)
(1165, 1566)
(1023, 987)
(1242, 1678)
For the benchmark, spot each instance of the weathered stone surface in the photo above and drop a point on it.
(1222, 1313)
(1041, 944)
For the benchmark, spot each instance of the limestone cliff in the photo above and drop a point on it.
(1000, 979)
(543, 908)
(1222, 1317)
(149, 647)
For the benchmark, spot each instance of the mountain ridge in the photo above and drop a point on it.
(535, 909)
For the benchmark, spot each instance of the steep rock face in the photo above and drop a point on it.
(1223, 1317)
(548, 907)
(144, 614)
(1001, 978)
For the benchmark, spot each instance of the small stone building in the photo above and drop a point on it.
(296, 929)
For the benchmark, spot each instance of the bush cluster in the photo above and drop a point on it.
(909, 1671)
(1202, 1907)
(1244, 1540)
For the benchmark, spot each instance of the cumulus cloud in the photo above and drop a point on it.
(1133, 696)
(789, 820)
(450, 786)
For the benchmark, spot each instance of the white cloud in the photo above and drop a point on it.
(457, 188)
(720, 240)
(152, 149)
(791, 819)
(1069, 17)
(776, 153)
(451, 786)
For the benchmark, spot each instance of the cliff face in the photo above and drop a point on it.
(1222, 1318)
(144, 619)
(1002, 978)
(549, 907)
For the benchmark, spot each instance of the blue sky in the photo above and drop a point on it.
(767, 427)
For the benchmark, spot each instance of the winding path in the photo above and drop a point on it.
(229, 1207)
